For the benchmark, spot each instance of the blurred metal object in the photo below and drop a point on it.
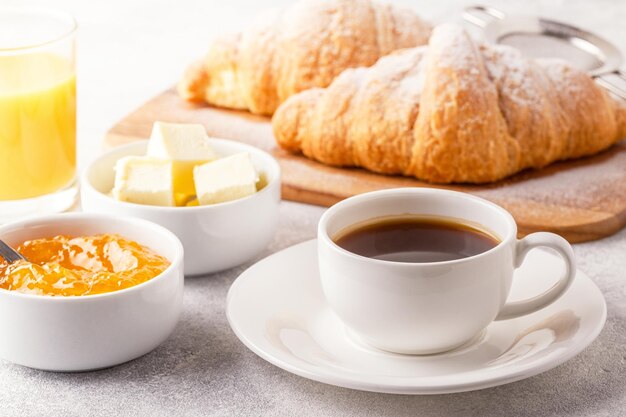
(9, 254)
(542, 38)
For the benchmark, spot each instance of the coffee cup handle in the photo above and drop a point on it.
(550, 240)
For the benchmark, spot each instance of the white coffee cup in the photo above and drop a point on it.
(422, 308)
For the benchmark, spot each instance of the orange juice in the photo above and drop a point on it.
(37, 125)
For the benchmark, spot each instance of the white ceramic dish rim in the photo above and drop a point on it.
(275, 177)
(412, 192)
(417, 386)
(175, 263)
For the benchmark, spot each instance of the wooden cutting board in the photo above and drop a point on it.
(581, 200)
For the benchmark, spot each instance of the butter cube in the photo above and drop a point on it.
(180, 142)
(144, 180)
(187, 145)
(226, 179)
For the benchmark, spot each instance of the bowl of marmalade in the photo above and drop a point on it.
(94, 291)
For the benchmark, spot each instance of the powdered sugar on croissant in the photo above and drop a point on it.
(455, 111)
(305, 45)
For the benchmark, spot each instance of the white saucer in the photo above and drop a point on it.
(277, 309)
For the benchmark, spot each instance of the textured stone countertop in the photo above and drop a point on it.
(131, 50)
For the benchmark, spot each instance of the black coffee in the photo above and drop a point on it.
(415, 239)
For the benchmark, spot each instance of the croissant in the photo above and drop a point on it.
(454, 111)
(305, 45)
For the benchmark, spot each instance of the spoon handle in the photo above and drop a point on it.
(9, 254)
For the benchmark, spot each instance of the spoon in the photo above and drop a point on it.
(10, 254)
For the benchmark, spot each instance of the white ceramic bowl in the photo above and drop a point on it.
(215, 237)
(59, 333)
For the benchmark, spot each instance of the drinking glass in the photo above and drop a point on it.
(37, 111)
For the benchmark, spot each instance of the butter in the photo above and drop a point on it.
(180, 142)
(193, 203)
(144, 180)
(182, 200)
(226, 179)
(186, 145)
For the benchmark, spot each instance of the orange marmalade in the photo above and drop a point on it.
(83, 265)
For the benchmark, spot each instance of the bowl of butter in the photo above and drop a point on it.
(220, 197)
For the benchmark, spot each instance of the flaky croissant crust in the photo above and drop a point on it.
(455, 111)
(303, 46)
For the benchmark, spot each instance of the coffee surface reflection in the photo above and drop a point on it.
(415, 239)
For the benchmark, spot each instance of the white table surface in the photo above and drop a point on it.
(130, 50)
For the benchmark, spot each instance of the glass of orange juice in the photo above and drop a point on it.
(37, 111)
